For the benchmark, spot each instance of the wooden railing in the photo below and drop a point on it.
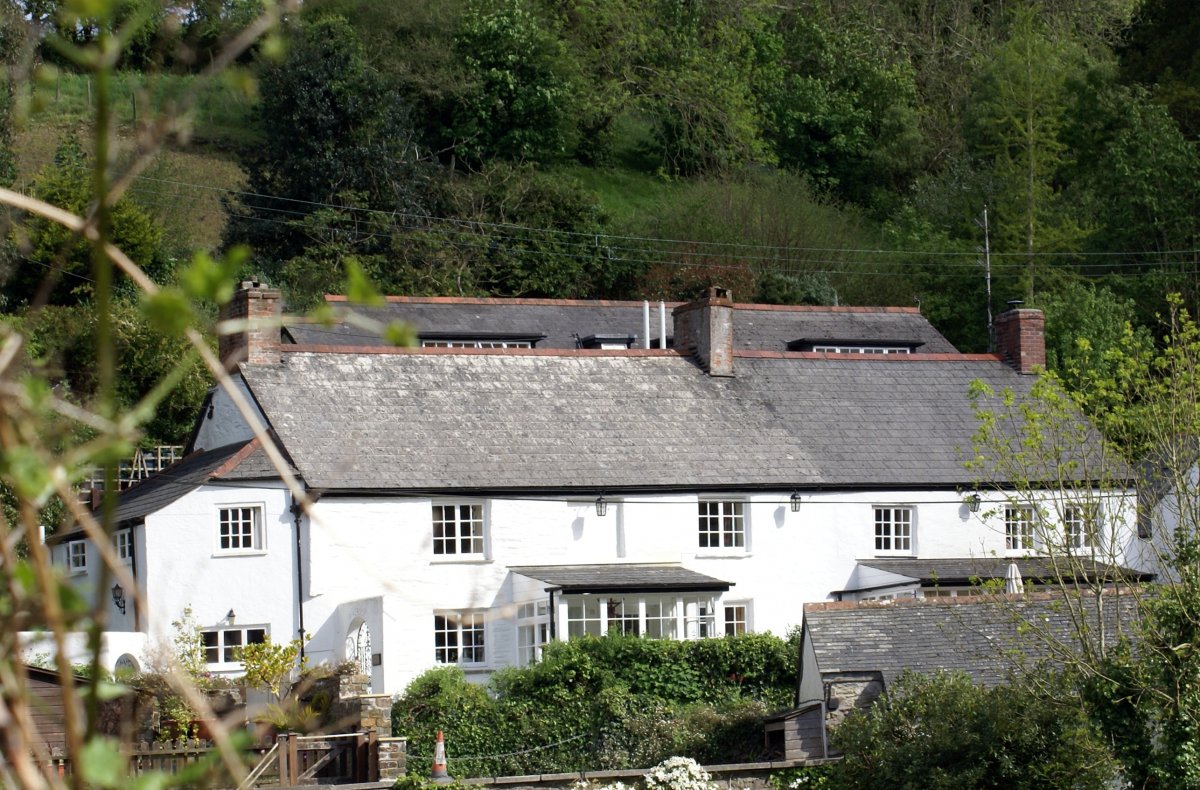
(168, 757)
(307, 759)
(145, 462)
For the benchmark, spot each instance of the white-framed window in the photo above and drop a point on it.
(833, 349)
(893, 529)
(585, 615)
(661, 620)
(221, 645)
(77, 556)
(737, 618)
(458, 530)
(663, 616)
(722, 524)
(533, 631)
(950, 592)
(1018, 528)
(123, 544)
(1080, 522)
(459, 638)
(240, 529)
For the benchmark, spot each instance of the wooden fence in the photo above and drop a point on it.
(292, 760)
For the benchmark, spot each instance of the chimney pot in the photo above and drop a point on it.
(1021, 338)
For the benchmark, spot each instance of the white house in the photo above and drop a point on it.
(536, 470)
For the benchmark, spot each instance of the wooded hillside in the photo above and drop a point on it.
(809, 151)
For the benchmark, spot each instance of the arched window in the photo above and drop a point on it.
(358, 648)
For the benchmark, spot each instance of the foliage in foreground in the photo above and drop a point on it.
(943, 731)
(603, 703)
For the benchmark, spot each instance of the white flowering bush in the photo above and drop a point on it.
(678, 773)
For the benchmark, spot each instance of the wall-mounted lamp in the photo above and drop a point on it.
(972, 501)
(795, 500)
(118, 596)
(601, 505)
(229, 616)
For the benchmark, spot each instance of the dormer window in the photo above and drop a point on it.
(844, 346)
(862, 350)
(608, 342)
(479, 340)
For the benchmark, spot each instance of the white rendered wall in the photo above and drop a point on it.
(184, 568)
(222, 424)
(370, 560)
(37, 647)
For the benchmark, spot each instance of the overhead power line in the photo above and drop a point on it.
(411, 220)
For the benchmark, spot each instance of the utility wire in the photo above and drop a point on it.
(607, 237)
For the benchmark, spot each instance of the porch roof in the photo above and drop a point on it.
(621, 578)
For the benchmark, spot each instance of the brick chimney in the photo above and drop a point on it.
(258, 343)
(1021, 338)
(704, 329)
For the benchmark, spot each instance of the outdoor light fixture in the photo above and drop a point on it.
(601, 505)
(795, 500)
(118, 596)
(230, 615)
(973, 501)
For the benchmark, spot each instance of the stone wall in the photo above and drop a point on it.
(740, 776)
(350, 707)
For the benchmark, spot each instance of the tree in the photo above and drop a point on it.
(1146, 403)
(943, 731)
(47, 440)
(48, 263)
(1015, 124)
(1160, 51)
(1142, 200)
(1084, 325)
(519, 103)
(844, 110)
(330, 129)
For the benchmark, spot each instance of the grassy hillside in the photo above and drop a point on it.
(184, 185)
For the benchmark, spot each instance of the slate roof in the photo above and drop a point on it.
(563, 322)
(238, 461)
(422, 421)
(989, 639)
(957, 571)
(628, 578)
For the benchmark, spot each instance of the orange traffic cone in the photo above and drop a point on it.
(439, 774)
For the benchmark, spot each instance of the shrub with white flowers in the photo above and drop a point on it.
(678, 773)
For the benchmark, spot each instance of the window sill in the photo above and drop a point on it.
(731, 554)
(250, 553)
(77, 572)
(460, 560)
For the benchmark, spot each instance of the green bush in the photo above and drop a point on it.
(603, 703)
(943, 731)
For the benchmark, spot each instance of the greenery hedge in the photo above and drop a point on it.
(603, 703)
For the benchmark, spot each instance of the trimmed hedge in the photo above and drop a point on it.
(603, 703)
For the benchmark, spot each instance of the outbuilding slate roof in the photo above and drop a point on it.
(564, 322)
(989, 638)
(421, 421)
(629, 578)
